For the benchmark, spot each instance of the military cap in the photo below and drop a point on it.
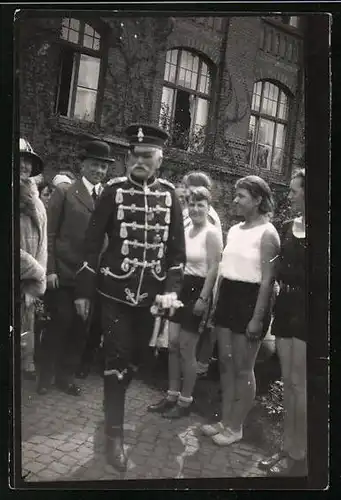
(140, 134)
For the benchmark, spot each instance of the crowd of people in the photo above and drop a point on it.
(95, 251)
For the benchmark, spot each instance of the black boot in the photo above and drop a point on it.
(114, 399)
(115, 454)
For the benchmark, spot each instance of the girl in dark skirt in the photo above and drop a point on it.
(242, 313)
(289, 327)
(203, 251)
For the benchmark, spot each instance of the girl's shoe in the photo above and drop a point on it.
(269, 462)
(227, 437)
(288, 467)
(212, 429)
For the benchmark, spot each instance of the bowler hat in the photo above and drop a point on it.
(97, 149)
(26, 150)
(140, 134)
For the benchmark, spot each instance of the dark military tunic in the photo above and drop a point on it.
(145, 255)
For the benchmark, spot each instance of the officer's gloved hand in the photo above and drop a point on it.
(169, 302)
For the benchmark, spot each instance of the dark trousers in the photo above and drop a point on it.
(64, 339)
(127, 331)
(93, 338)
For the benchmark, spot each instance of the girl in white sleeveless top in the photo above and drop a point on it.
(242, 315)
(203, 251)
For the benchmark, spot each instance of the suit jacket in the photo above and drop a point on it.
(69, 211)
(145, 254)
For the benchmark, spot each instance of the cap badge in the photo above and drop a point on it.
(140, 134)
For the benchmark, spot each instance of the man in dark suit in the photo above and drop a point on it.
(69, 213)
(143, 263)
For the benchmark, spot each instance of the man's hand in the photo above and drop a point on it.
(199, 307)
(83, 308)
(52, 281)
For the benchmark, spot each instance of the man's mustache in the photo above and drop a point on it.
(139, 165)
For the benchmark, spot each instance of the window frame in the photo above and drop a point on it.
(78, 50)
(196, 93)
(276, 120)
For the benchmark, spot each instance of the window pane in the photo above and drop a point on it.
(277, 162)
(273, 94)
(257, 88)
(89, 30)
(188, 79)
(181, 78)
(202, 113)
(265, 143)
(203, 84)
(280, 136)
(88, 72)
(73, 36)
(85, 104)
(166, 107)
(87, 42)
(184, 63)
(74, 24)
(96, 44)
(174, 56)
(194, 81)
(66, 22)
(283, 106)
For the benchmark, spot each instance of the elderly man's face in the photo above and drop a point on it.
(143, 161)
(25, 167)
(94, 170)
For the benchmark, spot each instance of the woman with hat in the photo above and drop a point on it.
(33, 249)
(69, 212)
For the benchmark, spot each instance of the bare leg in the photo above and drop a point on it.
(207, 347)
(188, 345)
(227, 378)
(298, 450)
(285, 352)
(174, 363)
(244, 357)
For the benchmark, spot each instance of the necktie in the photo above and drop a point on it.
(94, 195)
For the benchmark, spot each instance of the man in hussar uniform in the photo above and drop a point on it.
(143, 263)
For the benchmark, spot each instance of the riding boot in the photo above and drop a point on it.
(114, 399)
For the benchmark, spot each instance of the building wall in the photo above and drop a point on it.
(132, 88)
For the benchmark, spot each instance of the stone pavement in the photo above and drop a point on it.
(62, 439)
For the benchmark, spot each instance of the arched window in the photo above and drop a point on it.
(80, 69)
(267, 127)
(186, 99)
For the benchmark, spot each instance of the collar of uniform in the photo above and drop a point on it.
(89, 186)
(149, 181)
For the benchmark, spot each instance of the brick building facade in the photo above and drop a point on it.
(230, 90)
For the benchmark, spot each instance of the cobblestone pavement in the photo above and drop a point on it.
(62, 439)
